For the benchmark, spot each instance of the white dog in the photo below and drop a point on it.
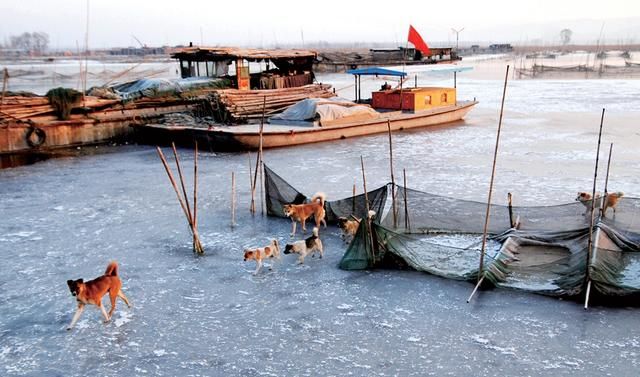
(306, 246)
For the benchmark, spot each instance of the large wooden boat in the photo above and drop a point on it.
(399, 109)
(239, 137)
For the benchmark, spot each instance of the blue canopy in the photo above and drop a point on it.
(376, 71)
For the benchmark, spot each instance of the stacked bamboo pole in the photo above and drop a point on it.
(251, 104)
(184, 201)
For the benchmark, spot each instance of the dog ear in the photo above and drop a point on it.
(69, 282)
(80, 281)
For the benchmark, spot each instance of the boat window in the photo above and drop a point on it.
(202, 69)
(185, 68)
(443, 98)
(427, 100)
(211, 72)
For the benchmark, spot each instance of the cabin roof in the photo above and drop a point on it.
(230, 53)
(376, 71)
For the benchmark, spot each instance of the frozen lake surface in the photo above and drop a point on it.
(66, 218)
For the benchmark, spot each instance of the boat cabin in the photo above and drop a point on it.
(404, 98)
(277, 68)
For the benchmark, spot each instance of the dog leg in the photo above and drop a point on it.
(124, 298)
(324, 222)
(112, 296)
(258, 266)
(293, 231)
(76, 316)
(304, 227)
(104, 313)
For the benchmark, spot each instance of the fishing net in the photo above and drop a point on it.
(548, 253)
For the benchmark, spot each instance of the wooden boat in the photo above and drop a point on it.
(403, 108)
(25, 130)
(247, 136)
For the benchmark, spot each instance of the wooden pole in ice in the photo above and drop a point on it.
(493, 173)
(407, 224)
(591, 253)
(258, 160)
(367, 222)
(233, 199)
(195, 192)
(393, 181)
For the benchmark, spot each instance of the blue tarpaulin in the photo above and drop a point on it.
(376, 71)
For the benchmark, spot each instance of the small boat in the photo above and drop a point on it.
(397, 109)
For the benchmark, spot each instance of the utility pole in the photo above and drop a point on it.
(457, 35)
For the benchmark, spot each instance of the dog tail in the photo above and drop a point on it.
(319, 195)
(112, 269)
(315, 231)
(619, 194)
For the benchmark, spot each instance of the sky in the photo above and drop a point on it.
(114, 23)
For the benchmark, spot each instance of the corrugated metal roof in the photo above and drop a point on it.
(243, 53)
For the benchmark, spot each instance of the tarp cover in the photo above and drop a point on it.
(154, 87)
(324, 109)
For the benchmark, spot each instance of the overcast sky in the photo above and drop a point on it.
(266, 23)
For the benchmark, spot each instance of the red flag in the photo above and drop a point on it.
(418, 42)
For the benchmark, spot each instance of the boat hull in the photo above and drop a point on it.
(230, 138)
(100, 127)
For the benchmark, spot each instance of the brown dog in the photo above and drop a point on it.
(349, 227)
(301, 212)
(92, 292)
(260, 253)
(610, 202)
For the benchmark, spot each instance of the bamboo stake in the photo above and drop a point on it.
(86, 60)
(251, 182)
(593, 204)
(261, 187)
(510, 210)
(393, 181)
(353, 202)
(233, 199)
(197, 244)
(606, 179)
(184, 190)
(475, 289)
(261, 157)
(407, 225)
(493, 173)
(367, 222)
(195, 192)
(258, 159)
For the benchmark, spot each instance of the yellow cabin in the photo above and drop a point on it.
(414, 99)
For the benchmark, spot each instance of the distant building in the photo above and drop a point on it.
(500, 48)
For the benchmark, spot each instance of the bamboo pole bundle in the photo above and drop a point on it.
(239, 104)
(197, 245)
